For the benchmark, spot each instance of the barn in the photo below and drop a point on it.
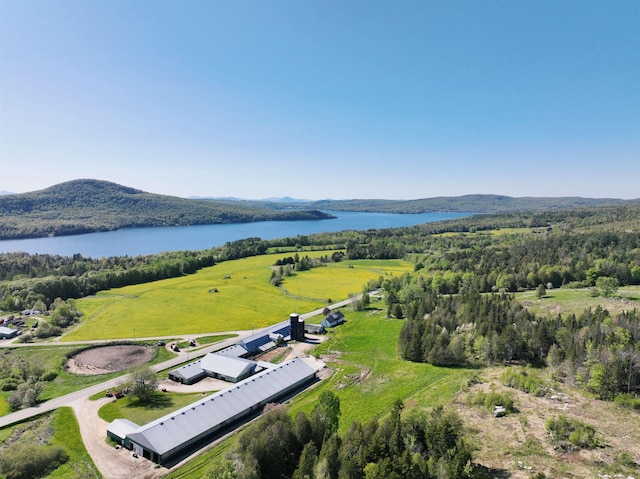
(263, 341)
(228, 368)
(168, 439)
(188, 374)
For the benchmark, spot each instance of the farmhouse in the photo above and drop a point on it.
(333, 319)
(173, 436)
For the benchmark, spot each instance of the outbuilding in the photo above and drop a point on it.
(119, 429)
(188, 374)
(8, 333)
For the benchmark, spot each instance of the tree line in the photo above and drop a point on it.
(403, 445)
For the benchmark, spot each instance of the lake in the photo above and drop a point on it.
(144, 241)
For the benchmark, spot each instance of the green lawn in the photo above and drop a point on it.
(143, 413)
(244, 300)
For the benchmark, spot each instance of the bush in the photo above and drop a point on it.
(31, 461)
(571, 434)
(524, 380)
(492, 399)
(49, 376)
(10, 384)
(46, 330)
(628, 400)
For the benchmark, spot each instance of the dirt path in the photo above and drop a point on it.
(111, 462)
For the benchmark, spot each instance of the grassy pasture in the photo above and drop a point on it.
(338, 280)
(369, 375)
(244, 299)
(567, 301)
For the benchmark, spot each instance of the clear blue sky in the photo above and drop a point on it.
(323, 99)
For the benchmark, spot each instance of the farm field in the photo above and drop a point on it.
(230, 296)
(575, 301)
(363, 353)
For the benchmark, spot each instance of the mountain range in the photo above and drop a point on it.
(89, 205)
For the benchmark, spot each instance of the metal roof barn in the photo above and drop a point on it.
(175, 434)
(188, 374)
(254, 343)
(227, 368)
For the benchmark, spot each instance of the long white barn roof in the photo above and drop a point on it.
(169, 433)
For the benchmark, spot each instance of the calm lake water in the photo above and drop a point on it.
(143, 241)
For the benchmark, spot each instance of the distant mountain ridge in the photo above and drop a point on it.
(478, 203)
(87, 205)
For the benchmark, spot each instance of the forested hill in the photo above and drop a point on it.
(85, 206)
(467, 203)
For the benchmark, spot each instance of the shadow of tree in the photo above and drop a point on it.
(157, 401)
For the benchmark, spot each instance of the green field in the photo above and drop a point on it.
(244, 298)
(575, 301)
(368, 371)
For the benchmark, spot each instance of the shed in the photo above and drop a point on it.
(8, 333)
(188, 374)
(119, 429)
(314, 329)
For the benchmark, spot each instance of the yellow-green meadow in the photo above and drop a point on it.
(233, 295)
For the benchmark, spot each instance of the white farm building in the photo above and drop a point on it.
(168, 439)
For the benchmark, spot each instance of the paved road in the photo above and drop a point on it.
(182, 357)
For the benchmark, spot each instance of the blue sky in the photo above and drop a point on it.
(323, 99)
